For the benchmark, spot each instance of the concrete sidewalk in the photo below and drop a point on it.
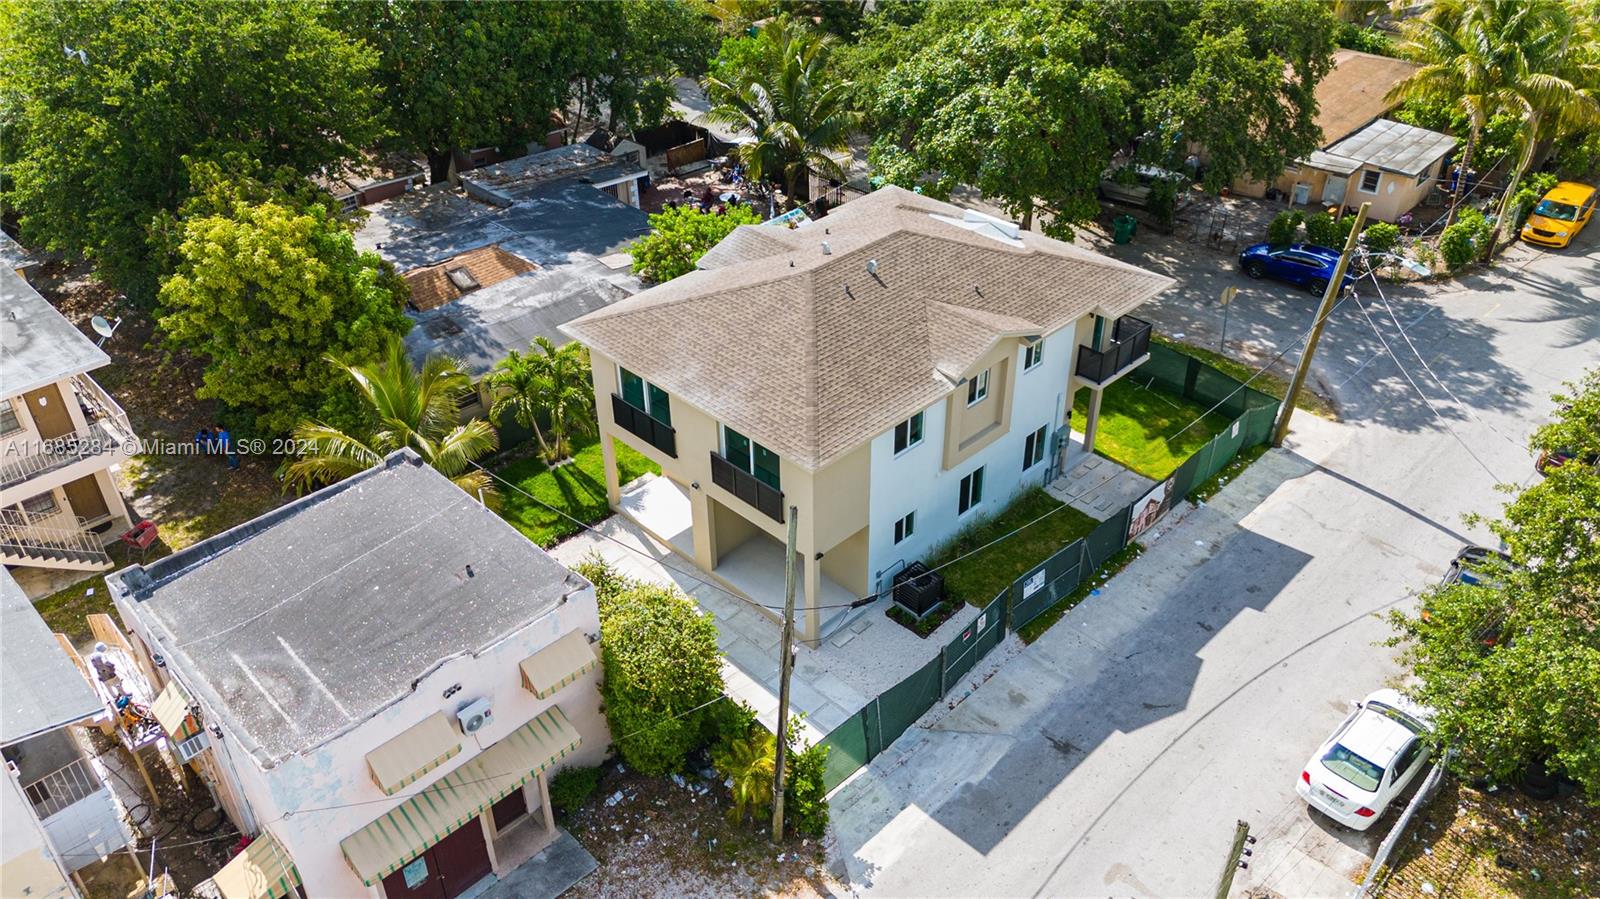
(1037, 784)
(860, 657)
(1097, 486)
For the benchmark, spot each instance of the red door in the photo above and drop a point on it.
(508, 810)
(419, 879)
(463, 858)
(446, 870)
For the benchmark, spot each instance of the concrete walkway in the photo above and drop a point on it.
(861, 654)
(547, 875)
(1095, 485)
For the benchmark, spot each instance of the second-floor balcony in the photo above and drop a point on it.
(746, 486)
(639, 423)
(1128, 347)
(62, 788)
(107, 433)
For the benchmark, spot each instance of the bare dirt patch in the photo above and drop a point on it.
(1487, 845)
(655, 837)
(189, 497)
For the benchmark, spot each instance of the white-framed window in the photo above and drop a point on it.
(971, 491)
(1370, 178)
(907, 434)
(1032, 355)
(978, 388)
(1033, 448)
(9, 423)
(905, 527)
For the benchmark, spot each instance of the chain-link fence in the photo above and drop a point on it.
(868, 732)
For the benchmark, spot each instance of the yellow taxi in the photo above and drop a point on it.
(1563, 212)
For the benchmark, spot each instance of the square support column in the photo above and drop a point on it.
(1091, 420)
(808, 593)
(608, 459)
(544, 802)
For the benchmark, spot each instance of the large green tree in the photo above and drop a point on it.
(1531, 61)
(797, 114)
(1512, 665)
(631, 52)
(1007, 103)
(680, 235)
(110, 97)
(469, 74)
(266, 285)
(1043, 95)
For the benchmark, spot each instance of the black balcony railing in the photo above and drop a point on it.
(747, 487)
(1130, 342)
(638, 422)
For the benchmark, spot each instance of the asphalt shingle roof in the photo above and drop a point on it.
(813, 355)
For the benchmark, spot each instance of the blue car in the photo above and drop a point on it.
(1303, 264)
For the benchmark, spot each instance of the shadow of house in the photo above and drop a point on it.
(1122, 672)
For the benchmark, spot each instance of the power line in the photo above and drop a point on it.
(1429, 369)
(1434, 409)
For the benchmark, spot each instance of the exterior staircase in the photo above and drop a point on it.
(50, 545)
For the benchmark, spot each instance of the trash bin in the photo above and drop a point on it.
(1122, 228)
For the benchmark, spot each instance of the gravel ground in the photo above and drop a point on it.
(656, 838)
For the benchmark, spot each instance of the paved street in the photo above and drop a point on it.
(1114, 755)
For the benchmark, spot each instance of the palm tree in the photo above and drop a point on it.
(408, 407)
(1503, 56)
(554, 383)
(794, 114)
(748, 763)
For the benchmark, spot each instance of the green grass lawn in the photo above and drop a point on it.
(1139, 427)
(977, 579)
(577, 488)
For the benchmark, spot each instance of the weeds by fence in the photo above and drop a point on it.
(878, 724)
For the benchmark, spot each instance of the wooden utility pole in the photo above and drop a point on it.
(1241, 836)
(785, 668)
(1334, 288)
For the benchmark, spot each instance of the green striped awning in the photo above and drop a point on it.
(558, 664)
(262, 871)
(432, 813)
(405, 759)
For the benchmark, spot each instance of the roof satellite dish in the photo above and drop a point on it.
(104, 328)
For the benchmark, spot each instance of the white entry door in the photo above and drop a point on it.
(1333, 193)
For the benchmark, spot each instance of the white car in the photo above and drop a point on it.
(1368, 761)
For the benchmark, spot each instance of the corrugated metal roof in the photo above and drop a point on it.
(1395, 147)
(1324, 161)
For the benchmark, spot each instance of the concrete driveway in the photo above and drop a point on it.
(1113, 756)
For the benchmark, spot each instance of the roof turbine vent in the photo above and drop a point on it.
(827, 249)
(872, 267)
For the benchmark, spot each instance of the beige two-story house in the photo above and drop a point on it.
(888, 375)
(60, 435)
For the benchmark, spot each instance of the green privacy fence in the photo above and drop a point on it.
(877, 725)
